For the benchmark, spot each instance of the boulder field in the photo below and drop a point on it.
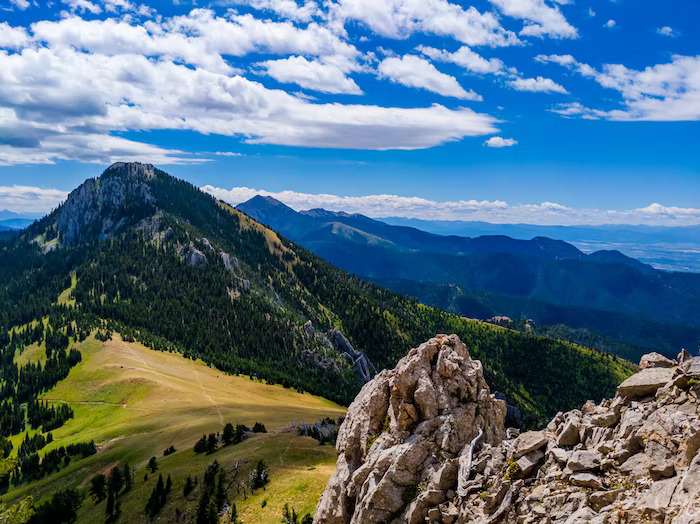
(426, 442)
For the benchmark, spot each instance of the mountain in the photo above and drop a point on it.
(15, 223)
(166, 264)
(547, 280)
(143, 312)
(665, 247)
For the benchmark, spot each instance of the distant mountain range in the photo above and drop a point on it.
(10, 220)
(672, 248)
(550, 281)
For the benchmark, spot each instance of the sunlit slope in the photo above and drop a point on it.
(135, 402)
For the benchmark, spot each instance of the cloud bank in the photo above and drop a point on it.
(545, 213)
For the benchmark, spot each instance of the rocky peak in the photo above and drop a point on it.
(100, 207)
(425, 442)
(131, 170)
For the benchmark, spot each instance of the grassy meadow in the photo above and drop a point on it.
(136, 402)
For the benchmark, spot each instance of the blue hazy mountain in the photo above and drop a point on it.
(548, 280)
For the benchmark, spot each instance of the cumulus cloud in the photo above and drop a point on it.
(610, 24)
(284, 8)
(327, 75)
(76, 78)
(540, 19)
(25, 199)
(402, 18)
(539, 84)
(497, 141)
(663, 92)
(414, 71)
(667, 31)
(20, 4)
(464, 57)
(545, 213)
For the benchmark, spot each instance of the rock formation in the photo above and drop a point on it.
(425, 442)
(98, 207)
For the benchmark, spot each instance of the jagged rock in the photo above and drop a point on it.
(600, 499)
(586, 480)
(683, 356)
(691, 367)
(527, 462)
(309, 329)
(645, 383)
(655, 360)
(527, 442)
(380, 462)
(91, 208)
(569, 434)
(647, 448)
(226, 261)
(584, 460)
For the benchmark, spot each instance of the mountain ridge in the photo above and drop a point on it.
(115, 229)
(504, 276)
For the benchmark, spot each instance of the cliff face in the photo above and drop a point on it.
(425, 443)
(100, 207)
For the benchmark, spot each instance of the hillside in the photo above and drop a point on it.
(170, 266)
(134, 402)
(108, 305)
(547, 280)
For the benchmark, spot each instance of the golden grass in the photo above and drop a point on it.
(135, 402)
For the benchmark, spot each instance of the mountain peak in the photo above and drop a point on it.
(131, 170)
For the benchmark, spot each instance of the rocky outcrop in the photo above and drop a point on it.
(101, 207)
(399, 447)
(363, 367)
(425, 443)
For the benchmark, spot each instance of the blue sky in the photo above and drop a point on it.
(537, 111)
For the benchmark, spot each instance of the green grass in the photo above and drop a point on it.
(65, 296)
(135, 402)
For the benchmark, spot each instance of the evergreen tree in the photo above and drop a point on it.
(98, 487)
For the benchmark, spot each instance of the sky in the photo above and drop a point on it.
(535, 111)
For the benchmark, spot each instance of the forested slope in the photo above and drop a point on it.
(164, 263)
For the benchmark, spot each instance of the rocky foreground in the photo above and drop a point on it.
(426, 442)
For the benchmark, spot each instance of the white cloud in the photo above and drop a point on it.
(564, 60)
(540, 18)
(545, 213)
(20, 4)
(667, 31)
(227, 153)
(61, 91)
(413, 71)
(610, 24)
(83, 6)
(13, 37)
(539, 84)
(25, 199)
(497, 141)
(663, 92)
(591, 12)
(284, 8)
(464, 57)
(402, 18)
(327, 75)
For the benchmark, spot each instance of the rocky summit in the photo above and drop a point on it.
(426, 442)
